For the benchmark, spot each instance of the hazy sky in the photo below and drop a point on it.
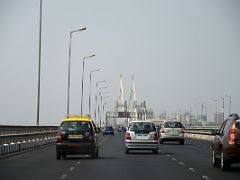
(182, 53)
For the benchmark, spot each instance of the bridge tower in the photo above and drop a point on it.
(121, 105)
(132, 101)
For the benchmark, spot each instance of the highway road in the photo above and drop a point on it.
(185, 162)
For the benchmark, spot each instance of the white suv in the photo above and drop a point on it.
(172, 131)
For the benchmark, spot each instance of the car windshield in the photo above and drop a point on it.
(173, 125)
(144, 127)
(80, 126)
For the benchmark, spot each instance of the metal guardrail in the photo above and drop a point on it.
(19, 138)
(208, 130)
(7, 130)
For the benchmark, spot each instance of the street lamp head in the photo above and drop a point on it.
(95, 70)
(88, 56)
(82, 29)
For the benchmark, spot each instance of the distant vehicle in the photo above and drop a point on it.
(77, 135)
(172, 131)
(141, 135)
(226, 143)
(108, 130)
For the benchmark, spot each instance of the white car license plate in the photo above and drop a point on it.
(142, 136)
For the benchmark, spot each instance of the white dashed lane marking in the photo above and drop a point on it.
(174, 159)
(192, 170)
(206, 178)
(63, 176)
(77, 163)
(71, 168)
(181, 163)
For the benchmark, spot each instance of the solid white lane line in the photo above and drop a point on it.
(206, 178)
(71, 168)
(106, 137)
(181, 163)
(192, 170)
(63, 176)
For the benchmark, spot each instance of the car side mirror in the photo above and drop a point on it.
(97, 130)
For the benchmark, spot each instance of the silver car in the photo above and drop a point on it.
(141, 135)
(172, 131)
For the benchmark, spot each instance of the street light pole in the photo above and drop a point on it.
(222, 107)
(39, 63)
(101, 105)
(96, 94)
(86, 57)
(89, 101)
(190, 114)
(215, 100)
(69, 65)
(205, 105)
(230, 103)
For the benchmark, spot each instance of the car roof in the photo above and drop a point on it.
(137, 121)
(172, 121)
(71, 118)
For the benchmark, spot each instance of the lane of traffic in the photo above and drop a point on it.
(196, 154)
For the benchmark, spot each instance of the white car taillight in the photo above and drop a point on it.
(127, 136)
(182, 131)
(162, 130)
(155, 136)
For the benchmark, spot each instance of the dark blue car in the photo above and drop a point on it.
(108, 130)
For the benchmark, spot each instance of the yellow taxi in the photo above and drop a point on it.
(77, 135)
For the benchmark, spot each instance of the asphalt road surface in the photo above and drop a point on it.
(191, 161)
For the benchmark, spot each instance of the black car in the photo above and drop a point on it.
(226, 144)
(77, 136)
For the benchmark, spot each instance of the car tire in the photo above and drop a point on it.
(181, 142)
(95, 155)
(161, 141)
(215, 161)
(225, 163)
(127, 151)
(59, 155)
(64, 156)
(155, 151)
